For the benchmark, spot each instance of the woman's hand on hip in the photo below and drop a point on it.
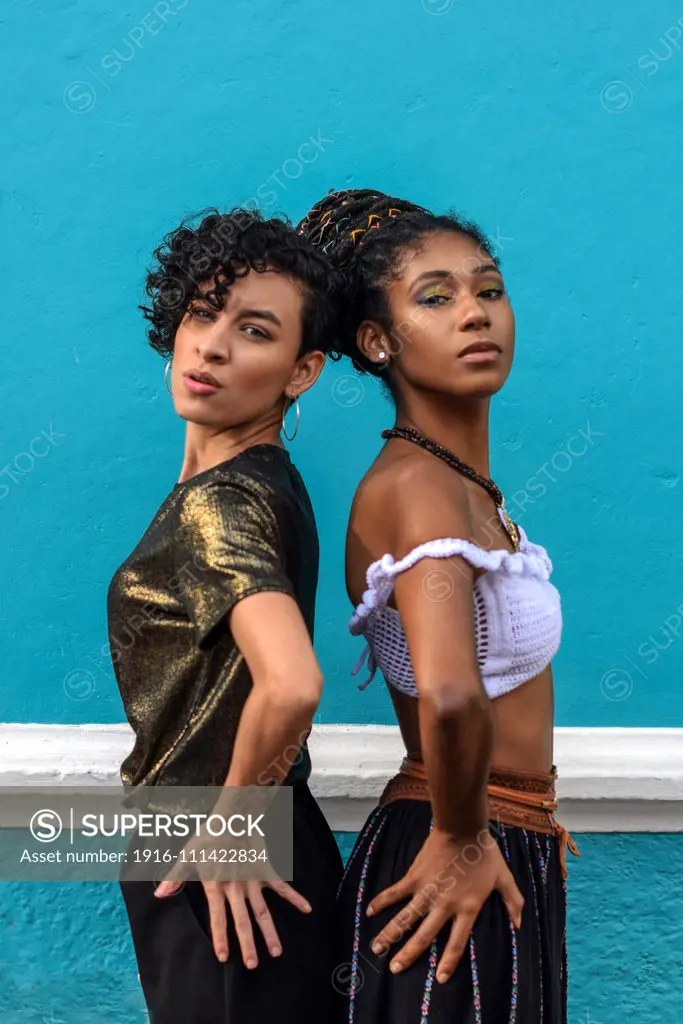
(239, 896)
(448, 880)
(204, 853)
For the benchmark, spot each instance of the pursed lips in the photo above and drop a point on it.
(203, 377)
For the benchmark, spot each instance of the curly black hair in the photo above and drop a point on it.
(225, 247)
(368, 234)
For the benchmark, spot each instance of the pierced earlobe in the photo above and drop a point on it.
(293, 400)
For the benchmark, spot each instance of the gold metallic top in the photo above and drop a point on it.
(236, 529)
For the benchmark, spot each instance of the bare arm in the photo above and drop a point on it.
(270, 631)
(434, 599)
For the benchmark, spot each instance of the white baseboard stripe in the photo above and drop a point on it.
(610, 780)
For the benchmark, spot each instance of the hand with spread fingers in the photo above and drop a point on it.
(239, 896)
(446, 881)
(200, 854)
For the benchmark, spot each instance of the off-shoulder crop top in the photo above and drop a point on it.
(517, 614)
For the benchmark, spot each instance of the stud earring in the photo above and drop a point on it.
(383, 355)
(295, 402)
(169, 364)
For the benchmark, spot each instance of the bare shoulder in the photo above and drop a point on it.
(407, 499)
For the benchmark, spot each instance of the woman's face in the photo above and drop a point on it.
(247, 353)
(454, 330)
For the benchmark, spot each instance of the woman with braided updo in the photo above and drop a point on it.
(463, 851)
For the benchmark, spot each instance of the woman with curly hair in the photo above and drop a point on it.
(211, 619)
(459, 613)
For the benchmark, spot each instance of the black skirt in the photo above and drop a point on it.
(183, 981)
(505, 976)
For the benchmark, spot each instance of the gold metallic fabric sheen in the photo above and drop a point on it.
(242, 527)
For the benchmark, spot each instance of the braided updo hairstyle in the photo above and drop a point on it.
(368, 234)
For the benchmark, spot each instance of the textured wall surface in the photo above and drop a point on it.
(557, 129)
(66, 955)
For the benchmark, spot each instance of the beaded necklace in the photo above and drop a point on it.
(410, 434)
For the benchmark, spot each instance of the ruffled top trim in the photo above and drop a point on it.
(531, 560)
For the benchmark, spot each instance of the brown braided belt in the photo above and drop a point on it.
(518, 798)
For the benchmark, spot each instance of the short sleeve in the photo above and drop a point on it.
(229, 547)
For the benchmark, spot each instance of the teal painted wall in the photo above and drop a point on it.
(558, 130)
(625, 949)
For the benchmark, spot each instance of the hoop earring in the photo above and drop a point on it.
(295, 402)
(168, 367)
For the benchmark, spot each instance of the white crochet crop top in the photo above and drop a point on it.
(517, 614)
